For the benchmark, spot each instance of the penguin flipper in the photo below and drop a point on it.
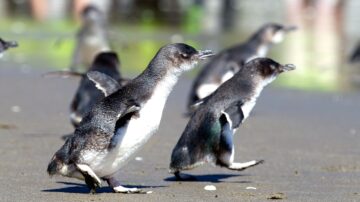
(226, 152)
(226, 137)
(91, 179)
(234, 114)
(62, 74)
(195, 105)
(103, 82)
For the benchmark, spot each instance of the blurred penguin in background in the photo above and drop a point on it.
(229, 61)
(4, 45)
(355, 55)
(91, 39)
(106, 65)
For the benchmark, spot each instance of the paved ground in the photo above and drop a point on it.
(310, 142)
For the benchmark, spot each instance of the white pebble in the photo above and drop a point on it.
(138, 158)
(210, 188)
(250, 187)
(15, 109)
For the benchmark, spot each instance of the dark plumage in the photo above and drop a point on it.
(355, 56)
(229, 61)
(208, 136)
(4, 45)
(87, 94)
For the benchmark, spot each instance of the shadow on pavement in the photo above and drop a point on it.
(206, 178)
(83, 189)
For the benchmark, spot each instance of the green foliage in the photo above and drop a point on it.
(193, 18)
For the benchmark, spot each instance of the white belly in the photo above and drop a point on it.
(130, 139)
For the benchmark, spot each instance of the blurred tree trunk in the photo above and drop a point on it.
(228, 14)
(212, 21)
(3, 8)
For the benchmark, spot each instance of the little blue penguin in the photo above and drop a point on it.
(117, 126)
(355, 56)
(105, 66)
(91, 39)
(208, 136)
(4, 45)
(229, 61)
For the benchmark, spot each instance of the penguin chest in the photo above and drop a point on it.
(140, 128)
(129, 138)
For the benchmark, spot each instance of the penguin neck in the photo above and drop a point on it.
(95, 27)
(262, 50)
(250, 98)
(160, 80)
(259, 45)
(165, 85)
(261, 86)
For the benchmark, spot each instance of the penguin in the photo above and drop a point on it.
(117, 126)
(87, 93)
(355, 56)
(91, 39)
(229, 61)
(4, 45)
(208, 136)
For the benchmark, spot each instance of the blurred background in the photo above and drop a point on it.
(328, 33)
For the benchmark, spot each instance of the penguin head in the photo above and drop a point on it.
(57, 166)
(92, 14)
(182, 57)
(274, 33)
(58, 163)
(108, 59)
(265, 70)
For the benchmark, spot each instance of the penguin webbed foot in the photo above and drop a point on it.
(243, 166)
(184, 177)
(117, 188)
(91, 179)
(128, 190)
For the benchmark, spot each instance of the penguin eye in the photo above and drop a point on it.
(185, 56)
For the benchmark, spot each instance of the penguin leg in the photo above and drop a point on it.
(226, 151)
(91, 179)
(116, 186)
(244, 165)
(226, 159)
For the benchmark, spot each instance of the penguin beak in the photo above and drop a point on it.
(290, 28)
(202, 55)
(287, 67)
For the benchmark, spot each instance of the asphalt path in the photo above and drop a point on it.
(310, 143)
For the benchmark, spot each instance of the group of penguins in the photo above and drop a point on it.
(114, 117)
